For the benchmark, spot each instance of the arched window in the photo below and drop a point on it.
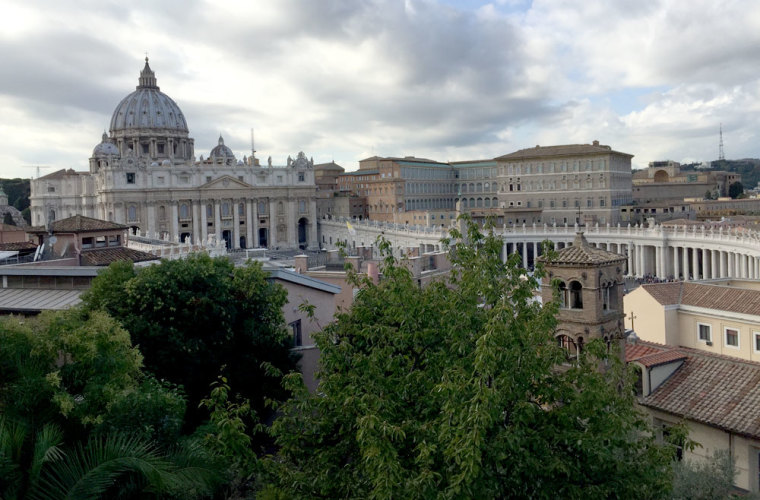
(262, 207)
(576, 295)
(566, 342)
(209, 210)
(132, 213)
(563, 297)
(479, 187)
(184, 211)
(480, 202)
(241, 209)
(280, 207)
(225, 209)
(162, 213)
(488, 202)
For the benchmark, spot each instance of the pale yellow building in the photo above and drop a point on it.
(699, 357)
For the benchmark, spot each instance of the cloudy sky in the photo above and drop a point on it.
(346, 79)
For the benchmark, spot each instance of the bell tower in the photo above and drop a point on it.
(591, 295)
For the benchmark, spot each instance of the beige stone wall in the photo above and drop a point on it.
(745, 451)
(649, 316)
(324, 310)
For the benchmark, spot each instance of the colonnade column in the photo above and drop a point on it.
(705, 264)
(685, 263)
(235, 224)
(676, 263)
(714, 267)
(630, 258)
(640, 261)
(658, 261)
(525, 254)
(695, 262)
(723, 257)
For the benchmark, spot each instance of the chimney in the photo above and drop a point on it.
(301, 263)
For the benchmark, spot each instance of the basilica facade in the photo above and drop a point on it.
(144, 174)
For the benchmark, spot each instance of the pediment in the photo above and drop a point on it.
(226, 182)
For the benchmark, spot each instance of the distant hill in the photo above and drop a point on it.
(18, 191)
(748, 167)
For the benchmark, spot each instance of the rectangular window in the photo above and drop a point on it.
(704, 332)
(160, 149)
(87, 242)
(300, 176)
(756, 336)
(295, 327)
(130, 178)
(731, 337)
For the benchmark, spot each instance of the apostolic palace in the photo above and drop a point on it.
(144, 174)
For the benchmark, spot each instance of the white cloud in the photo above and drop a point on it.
(344, 79)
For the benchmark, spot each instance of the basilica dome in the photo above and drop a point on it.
(147, 109)
(221, 151)
(105, 148)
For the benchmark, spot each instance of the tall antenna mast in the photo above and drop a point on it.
(721, 155)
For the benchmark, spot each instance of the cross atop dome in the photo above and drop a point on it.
(147, 78)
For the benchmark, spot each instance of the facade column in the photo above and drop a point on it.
(640, 271)
(292, 215)
(525, 254)
(196, 220)
(743, 260)
(249, 243)
(313, 235)
(235, 224)
(630, 258)
(204, 225)
(695, 262)
(151, 220)
(255, 223)
(175, 222)
(272, 223)
(218, 220)
(705, 264)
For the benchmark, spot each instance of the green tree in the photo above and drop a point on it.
(704, 480)
(194, 316)
(735, 190)
(73, 377)
(457, 390)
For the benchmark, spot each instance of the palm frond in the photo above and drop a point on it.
(92, 470)
(46, 449)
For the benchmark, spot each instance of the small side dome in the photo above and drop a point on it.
(105, 148)
(154, 164)
(221, 151)
(166, 163)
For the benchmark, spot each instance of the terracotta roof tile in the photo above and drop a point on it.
(708, 296)
(715, 390)
(566, 150)
(104, 256)
(665, 293)
(638, 350)
(18, 245)
(79, 224)
(583, 253)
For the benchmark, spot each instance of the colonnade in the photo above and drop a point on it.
(682, 252)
